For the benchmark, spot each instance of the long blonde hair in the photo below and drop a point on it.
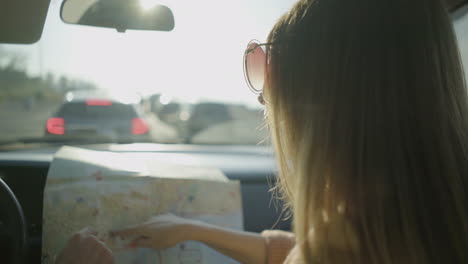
(367, 107)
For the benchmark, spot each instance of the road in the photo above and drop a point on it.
(18, 122)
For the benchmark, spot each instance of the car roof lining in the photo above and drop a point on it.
(22, 21)
(460, 12)
(454, 5)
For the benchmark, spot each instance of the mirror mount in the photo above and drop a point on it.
(121, 15)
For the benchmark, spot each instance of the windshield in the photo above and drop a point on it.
(183, 86)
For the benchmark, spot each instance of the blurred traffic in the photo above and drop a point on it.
(91, 115)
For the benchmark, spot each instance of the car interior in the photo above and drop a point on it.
(236, 141)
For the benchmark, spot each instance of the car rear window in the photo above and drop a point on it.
(85, 111)
(219, 111)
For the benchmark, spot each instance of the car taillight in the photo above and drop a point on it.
(98, 102)
(56, 126)
(139, 126)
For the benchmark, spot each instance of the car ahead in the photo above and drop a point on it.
(99, 118)
(207, 114)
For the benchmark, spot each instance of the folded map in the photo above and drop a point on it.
(106, 191)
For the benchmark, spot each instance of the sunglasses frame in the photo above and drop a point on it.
(246, 53)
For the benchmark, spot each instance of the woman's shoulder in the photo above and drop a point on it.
(294, 256)
(279, 245)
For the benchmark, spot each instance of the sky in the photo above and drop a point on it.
(201, 59)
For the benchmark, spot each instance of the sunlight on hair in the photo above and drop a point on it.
(325, 216)
(341, 208)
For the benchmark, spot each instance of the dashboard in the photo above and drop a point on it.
(26, 171)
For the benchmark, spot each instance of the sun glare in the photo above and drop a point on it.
(148, 4)
(165, 99)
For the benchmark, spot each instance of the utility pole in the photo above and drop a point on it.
(40, 60)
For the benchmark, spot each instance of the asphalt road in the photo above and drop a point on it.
(19, 122)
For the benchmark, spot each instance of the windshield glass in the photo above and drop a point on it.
(183, 86)
(186, 86)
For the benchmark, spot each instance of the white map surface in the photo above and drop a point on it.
(105, 191)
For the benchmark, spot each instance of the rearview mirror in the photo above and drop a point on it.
(118, 14)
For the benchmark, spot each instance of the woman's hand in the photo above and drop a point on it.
(85, 247)
(160, 232)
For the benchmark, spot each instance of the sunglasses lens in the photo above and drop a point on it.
(255, 64)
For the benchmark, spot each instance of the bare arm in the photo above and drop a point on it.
(166, 231)
(244, 247)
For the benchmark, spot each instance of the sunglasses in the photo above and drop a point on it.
(255, 65)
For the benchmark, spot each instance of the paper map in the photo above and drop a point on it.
(105, 190)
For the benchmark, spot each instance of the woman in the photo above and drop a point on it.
(367, 107)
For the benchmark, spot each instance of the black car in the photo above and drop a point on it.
(207, 114)
(100, 118)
